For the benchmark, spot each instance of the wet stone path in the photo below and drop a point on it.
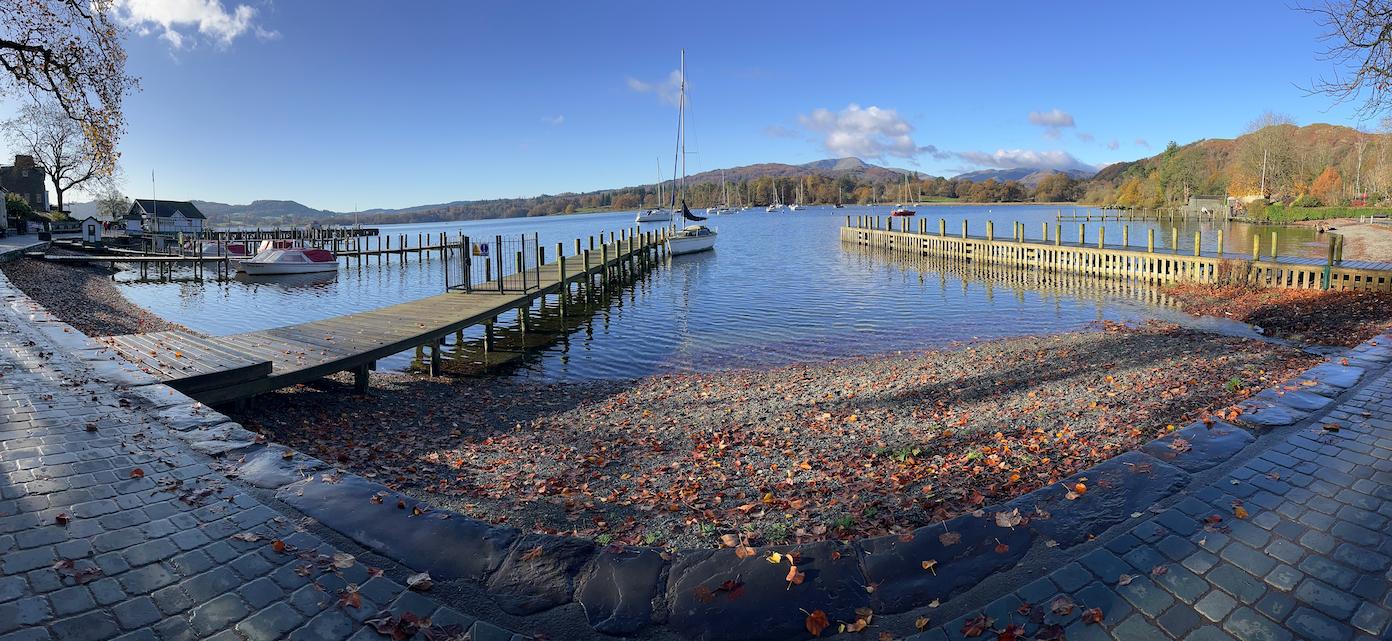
(111, 527)
(1307, 560)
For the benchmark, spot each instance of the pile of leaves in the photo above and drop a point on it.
(1335, 317)
(843, 449)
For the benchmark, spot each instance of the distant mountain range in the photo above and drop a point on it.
(292, 212)
(1028, 176)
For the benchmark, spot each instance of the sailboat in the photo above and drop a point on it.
(777, 203)
(902, 210)
(724, 207)
(797, 203)
(691, 238)
(839, 196)
(657, 214)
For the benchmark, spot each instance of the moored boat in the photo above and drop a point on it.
(290, 260)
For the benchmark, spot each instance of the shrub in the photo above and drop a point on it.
(1306, 200)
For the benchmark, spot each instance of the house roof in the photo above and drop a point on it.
(165, 208)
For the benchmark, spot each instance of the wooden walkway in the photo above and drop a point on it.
(1122, 261)
(229, 368)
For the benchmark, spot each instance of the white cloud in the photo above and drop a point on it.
(1052, 121)
(666, 90)
(554, 121)
(1141, 142)
(1114, 144)
(1013, 158)
(869, 132)
(1085, 136)
(172, 17)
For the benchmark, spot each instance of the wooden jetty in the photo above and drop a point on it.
(231, 368)
(1123, 261)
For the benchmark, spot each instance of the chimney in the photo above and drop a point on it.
(24, 162)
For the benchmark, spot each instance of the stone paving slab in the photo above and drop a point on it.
(1292, 544)
(113, 525)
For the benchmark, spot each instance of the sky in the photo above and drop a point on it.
(352, 104)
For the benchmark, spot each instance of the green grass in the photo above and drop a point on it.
(1282, 214)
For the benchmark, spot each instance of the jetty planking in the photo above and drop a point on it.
(224, 369)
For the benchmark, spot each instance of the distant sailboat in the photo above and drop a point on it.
(657, 214)
(902, 210)
(797, 203)
(691, 238)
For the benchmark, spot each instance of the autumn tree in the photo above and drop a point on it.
(58, 145)
(68, 53)
(1267, 155)
(1328, 187)
(1056, 187)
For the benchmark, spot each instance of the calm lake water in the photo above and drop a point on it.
(779, 288)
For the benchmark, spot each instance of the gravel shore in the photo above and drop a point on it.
(83, 296)
(847, 448)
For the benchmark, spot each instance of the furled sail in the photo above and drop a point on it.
(686, 213)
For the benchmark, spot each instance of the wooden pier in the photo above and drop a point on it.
(1122, 261)
(221, 369)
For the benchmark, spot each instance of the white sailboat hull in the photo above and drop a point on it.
(678, 245)
(653, 217)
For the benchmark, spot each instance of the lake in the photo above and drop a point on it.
(779, 288)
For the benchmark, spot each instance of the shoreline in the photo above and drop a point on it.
(831, 450)
(84, 297)
(1362, 241)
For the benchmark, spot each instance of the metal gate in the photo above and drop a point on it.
(499, 264)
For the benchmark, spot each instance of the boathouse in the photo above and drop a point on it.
(1207, 206)
(167, 217)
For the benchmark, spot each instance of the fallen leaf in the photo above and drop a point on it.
(1092, 615)
(950, 538)
(419, 582)
(977, 625)
(921, 623)
(137, 473)
(931, 565)
(1009, 519)
(1062, 606)
(1125, 579)
(532, 554)
(816, 622)
(794, 577)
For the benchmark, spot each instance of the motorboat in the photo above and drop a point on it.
(691, 239)
(902, 211)
(291, 260)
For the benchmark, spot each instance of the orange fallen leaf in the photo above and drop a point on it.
(816, 622)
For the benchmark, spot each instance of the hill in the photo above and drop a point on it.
(1028, 176)
(1310, 165)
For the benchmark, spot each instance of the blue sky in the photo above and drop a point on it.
(370, 104)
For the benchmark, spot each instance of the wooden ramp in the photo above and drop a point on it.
(192, 364)
(227, 368)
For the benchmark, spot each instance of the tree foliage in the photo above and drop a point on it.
(1358, 34)
(68, 52)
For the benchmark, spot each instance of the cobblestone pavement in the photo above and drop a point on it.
(1308, 560)
(110, 528)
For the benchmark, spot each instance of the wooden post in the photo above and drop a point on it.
(604, 268)
(1044, 229)
(1101, 237)
(1273, 245)
(942, 227)
(1058, 234)
(964, 229)
(1256, 246)
(488, 336)
(1125, 236)
(360, 379)
(434, 358)
(1174, 239)
(1082, 234)
(1150, 241)
(990, 230)
(1220, 242)
(1198, 242)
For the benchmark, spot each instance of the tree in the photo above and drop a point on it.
(69, 52)
(111, 203)
(1329, 186)
(58, 145)
(1056, 187)
(1359, 37)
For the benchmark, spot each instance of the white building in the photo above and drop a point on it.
(166, 217)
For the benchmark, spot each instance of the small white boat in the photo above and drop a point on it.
(794, 207)
(691, 239)
(292, 260)
(653, 216)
